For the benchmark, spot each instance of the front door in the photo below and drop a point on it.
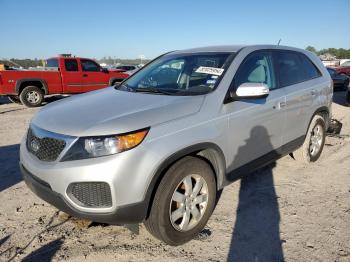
(255, 125)
(93, 76)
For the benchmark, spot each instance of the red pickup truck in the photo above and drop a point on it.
(344, 68)
(62, 75)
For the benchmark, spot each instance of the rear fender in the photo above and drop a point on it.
(22, 81)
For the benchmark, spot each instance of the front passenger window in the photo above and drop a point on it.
(89, 66)
(257, 68)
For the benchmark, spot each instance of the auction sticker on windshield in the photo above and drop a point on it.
(210, 70)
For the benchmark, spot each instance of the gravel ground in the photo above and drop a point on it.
(284, 212)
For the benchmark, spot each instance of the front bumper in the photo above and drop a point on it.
(134, 213)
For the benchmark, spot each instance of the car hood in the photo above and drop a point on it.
(109, 111)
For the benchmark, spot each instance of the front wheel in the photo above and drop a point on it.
(183, 203)
(315, 138)
(31, 96)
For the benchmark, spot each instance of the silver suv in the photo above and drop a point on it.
(158, 147)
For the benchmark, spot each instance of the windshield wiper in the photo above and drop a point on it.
(152, 90)
(124, 87)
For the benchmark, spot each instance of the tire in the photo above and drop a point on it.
(315, 138)
(14, 99)
(174, 231)
(31, 96)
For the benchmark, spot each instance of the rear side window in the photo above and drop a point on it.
(295, 68)
(290, 68)
(52, 63)
(71, 65)
(310, 70)
(89, 66)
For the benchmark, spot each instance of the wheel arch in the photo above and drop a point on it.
(22, 83)
(324, 112)
(209, 152)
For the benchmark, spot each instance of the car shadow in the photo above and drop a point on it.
(340, 97)
(256, 233)
(49, 99)
(46, 252)
(3, 240)
(10, 173)
(4, 100)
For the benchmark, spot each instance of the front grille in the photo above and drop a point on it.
(91, 194)
(46, 148)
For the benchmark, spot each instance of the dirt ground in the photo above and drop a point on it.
(284, 212)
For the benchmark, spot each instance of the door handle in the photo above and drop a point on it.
(85, 75)
(282, 104)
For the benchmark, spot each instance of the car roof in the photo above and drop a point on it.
(233, 48)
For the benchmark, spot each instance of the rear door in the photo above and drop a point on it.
(93, 76)
(72, 79)
(298, 76)
(255, 125)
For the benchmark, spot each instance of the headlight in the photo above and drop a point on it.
(89, 147)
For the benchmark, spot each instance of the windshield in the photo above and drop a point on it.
(347, 63)
(182, 74)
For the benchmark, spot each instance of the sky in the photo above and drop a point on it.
(130, 28)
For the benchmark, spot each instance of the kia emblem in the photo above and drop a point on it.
(35, 145)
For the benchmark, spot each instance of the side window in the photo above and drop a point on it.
(256, 68)
(52, 62)
(290, 68)
(310, 70)
(89, 66)
(71, 65)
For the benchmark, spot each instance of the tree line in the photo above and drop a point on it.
(339, 53)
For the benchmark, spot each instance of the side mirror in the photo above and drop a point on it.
(252, 90)
(104, 70)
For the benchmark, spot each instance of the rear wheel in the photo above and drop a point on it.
(14, 99)
(183, 203)
(348, 98)
(315, 138)
(31, 96)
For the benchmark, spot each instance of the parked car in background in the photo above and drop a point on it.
(130, 69)
(158, 147)
(339, 80)
(61, 75)
(344, 68)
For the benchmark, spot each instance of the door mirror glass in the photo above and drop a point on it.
(252, 90)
